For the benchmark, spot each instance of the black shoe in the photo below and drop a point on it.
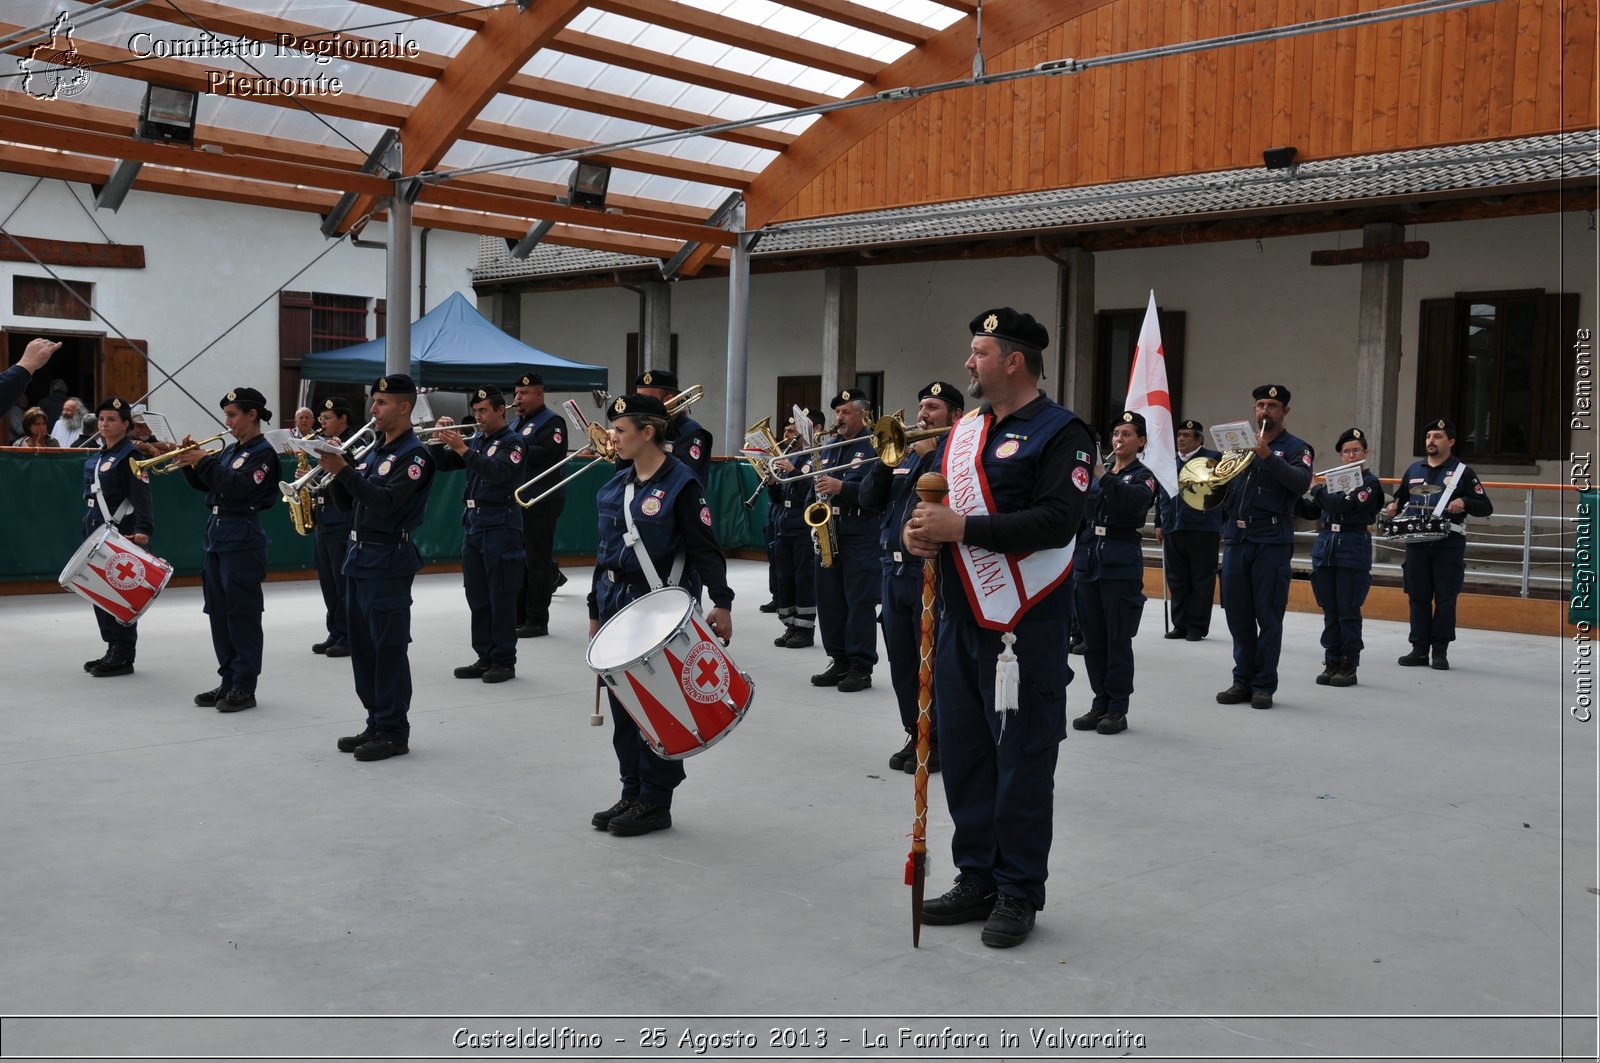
(376, 748)
(1089, 720)
(1346, 676)
(1176, 634)
(966, 902)
(475, 670)
(236, 701)
(89, 666)
(602, 819)
(640, 818)
(1114, 723)
(1329, 670)
(907, 753)
(854, 680)
(836, 671)
(800, 638)
(351, 743)
(112, 666)
(210, 697)
(1076, 647)
(321, 647)
(1192, 637)
(533, 631)
(910, 766)
(1440, 662)
(1415, 659)
(1010, 923)
(338, 649)
(500, 673)
(561, 579)
(1234, 695)
(770, 607)
(783, 639)
(1261, 699)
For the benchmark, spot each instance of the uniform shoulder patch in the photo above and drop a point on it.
(705, 515)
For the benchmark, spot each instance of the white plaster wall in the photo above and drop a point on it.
(206, 265)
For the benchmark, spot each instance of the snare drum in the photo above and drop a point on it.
(115, 573)
(660, 659)
(1415, 524)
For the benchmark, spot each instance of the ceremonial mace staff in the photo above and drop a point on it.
(932, 488)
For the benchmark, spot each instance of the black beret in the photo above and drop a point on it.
(941, 389)
(1005, 323)
(491, 395)
(338, 406)
(530, 380)
(847, 395)
(1191, 425)
(1271, 391)
(1135, 419)
(1441, 424)
(1349, 434)
(116, 406)
(636, 406)
(657, 378)
(398, 384)
(247, 399)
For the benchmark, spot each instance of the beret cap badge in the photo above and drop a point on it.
(383, 383)
(116, 404)
(936, 388)
(991, 323)
(619, 405)
(232, 395)
(1273, 391)
(648, 377)
(1127, 418)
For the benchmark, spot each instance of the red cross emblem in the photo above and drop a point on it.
(708, 673)
(125, 571)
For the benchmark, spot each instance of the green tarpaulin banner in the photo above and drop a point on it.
(43, 492)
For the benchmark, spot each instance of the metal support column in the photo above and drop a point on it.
(738, 333)
(1075, 356)
(655, 325)
(1378, 348)
(397, 311)
(838, 332)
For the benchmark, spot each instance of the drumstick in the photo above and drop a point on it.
(595, 719)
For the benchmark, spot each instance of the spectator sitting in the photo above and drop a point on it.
(33, 430)
(70, 425)
(53, 403)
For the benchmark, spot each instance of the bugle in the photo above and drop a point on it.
(157, 466)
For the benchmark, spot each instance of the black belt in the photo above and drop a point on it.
(388, 538)
(1119, 535)
(1258, 522)
(627, 579)
(838, 512)
(1349, 529)
(218, 511)
(473, 503)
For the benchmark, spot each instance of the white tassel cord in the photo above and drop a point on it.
(1005, 676)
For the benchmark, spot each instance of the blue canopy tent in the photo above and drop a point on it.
(455, 348)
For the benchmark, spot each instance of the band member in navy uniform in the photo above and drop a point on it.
(387, 494)
(893, 493)
(332, 540)
(543, 433)
(1190, 539)
(1108, 575)
(686, 439)
(491, 548)
(1258, 533)
(240, 483)
(1018, 468)
(126, 495)
(1434, 572)
(14, 379)
(847, 590)
(1341, 560)
(669, 511)
(794, 561)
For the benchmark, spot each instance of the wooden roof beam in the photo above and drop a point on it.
(863, 18)
(448, 12)
(631, 57)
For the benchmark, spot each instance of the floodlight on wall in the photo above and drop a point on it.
(110, 195)
(524, 247)
(1279, 158)
(587, 186)
(167, 114)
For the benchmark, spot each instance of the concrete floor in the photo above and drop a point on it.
(1420, 846)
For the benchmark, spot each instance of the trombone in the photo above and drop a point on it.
(890, 439)
(599, 447)
(158, 466)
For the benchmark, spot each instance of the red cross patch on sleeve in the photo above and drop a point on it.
(705, 515)
(516, 456)
(259, 476)
(414, 471)
(1305, 458)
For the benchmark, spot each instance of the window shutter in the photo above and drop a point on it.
(294, 342)
(1436, 362)
(1555, 323)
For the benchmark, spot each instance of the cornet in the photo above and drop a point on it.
(157, 466)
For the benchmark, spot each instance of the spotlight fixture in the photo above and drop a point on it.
(110, 195)
(167, 114)
(587, 186)
(1279, 158)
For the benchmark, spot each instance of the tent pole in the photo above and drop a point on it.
(738, 332)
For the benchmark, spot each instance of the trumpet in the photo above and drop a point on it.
(157, 466)
(468, 431)
(364, 439)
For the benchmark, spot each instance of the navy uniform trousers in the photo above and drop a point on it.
(1001, 789)
(1340, 591)
(333, 541)
(1191, 558)
(847, 599)
(380, 636)
(1108, 613)
(231, 585)
(645, 776)
(902, 637)
(536, 584)
(1433, 575)
(794, 570)
(493, 566)
(1255, 594)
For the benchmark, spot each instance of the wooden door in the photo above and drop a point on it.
(802, 391)
(123, 370)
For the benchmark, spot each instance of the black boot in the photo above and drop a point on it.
(1089, 720)
(89, 666)
(855, 679)
(1010, 923)
(801, 638)
(1234, 695)
(1329, 670)
(114, 664)
(1415, 659)
(474, 670)
(1441, 662)
(602, 819)
(1346, 676)
(837, 670)
(640, 818)
(908, 753)
(783, 639)
(965, 902)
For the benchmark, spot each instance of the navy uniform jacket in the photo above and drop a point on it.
(387, 494)
(672, 518)
(118, 482)
(1468, 489)
(790, 500)
(13, 382)
(494, 467)
(1039, 489)
(849, 463)
(1108, 544)
(689, 443)
(239, 483)
(1344, 523)
(893, 493)
(544, 446)
(1263, 496)
(1176, 515)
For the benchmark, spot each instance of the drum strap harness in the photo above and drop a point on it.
(105, 511)
(631, 539)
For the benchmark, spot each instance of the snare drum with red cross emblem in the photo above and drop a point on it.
(661, 660)
(113, 572)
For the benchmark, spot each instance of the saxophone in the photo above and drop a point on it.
(302, 510)
(819, 517)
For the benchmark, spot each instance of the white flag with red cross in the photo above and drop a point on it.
(1148, 396)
